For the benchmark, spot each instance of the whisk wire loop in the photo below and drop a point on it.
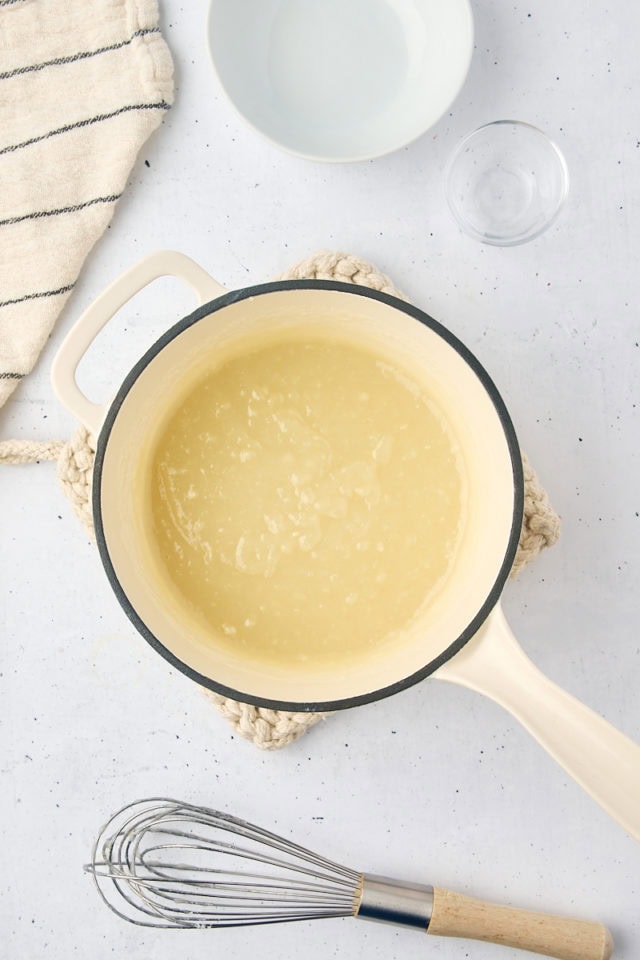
(164, 863)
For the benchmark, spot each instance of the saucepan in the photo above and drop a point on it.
(462, 637)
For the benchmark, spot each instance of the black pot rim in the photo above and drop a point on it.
(493, 595)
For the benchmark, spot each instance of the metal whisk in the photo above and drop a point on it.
(163, 863)
(176, 865)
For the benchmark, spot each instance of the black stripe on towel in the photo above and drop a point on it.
(160, 105)
(37, 296)
(11, 376)
(9, 3)
(83, 55)
(54, 213)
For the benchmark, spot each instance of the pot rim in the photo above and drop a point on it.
(235, 296)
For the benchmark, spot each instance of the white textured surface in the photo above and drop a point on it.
(435, 784)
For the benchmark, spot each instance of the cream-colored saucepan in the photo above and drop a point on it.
(463, 636)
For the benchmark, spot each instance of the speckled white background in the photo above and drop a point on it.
(436, 784)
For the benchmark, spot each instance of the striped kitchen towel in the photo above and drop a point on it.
(83, 83)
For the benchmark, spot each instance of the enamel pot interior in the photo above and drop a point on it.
(410, 339)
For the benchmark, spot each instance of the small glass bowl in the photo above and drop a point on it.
(506, 183)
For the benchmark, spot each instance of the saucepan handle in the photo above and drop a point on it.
(602, 760)
(78, 340)
(456, 915)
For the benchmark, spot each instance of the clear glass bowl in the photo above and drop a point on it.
(506, 182)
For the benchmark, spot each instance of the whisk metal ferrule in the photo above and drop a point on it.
(391, 901)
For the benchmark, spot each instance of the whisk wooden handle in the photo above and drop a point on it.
(455, 915)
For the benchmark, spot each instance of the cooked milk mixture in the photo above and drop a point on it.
(306, 501)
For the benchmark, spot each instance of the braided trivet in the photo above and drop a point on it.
(271, 729)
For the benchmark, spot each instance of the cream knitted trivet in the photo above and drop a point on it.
(271, 729)
(83, 84)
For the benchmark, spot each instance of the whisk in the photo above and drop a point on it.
(163, 863)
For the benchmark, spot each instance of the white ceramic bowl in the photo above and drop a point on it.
(341, 80)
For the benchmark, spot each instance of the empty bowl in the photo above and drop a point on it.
(341, 80)
(506, 182)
